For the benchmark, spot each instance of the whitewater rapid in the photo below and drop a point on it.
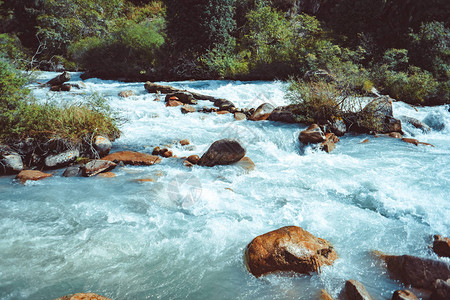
(183, 236)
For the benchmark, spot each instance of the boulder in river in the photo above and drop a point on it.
(377, 116)
(323, 295)
(338, 127)
(183, 97)
(33, 175)
(133, 158)
(441, 246)
(62, 159)
(186, 109)
(441, 290)
(222, 152)
(59, 80)
(284, 114)
(262, 112)
(83, 296)
(355, 290)
(102, 144)
(223, 104)
(193, 159)
(61, 88)
(313, 134)
(72, 171)
(173, 103)
(97, 166)
(238, 116)
(290, 249)
(404, 295)
(184, 142)
(416, 123)
(246, 163)
(416, 271)
(126, 94)
(156, 88)
(10, 161)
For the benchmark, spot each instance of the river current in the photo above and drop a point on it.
(183, 236)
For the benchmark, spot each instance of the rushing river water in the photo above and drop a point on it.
(183, 236)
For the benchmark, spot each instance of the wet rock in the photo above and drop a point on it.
(415, 142)
(142, 180)
(97, 166)
(107, 175)
(61, 159)
(126, 94)
(313, 134)
(416, 271)
(156, 151)
(184, 142)
(355, 290)
(262, 112)
(222, 152)
(173, 103)
(223, 104)
(193, 159)
(290, 249)
(416, 123)
(338, 127)
(188, 164)
(328, 146)
(156, 88)
(72, 171)
(284, 114)
(395, 135)
(187, 109)
(377, 116)
(10, 161)
(404, 295)
(133, 158)
(441, 290)
(61, 88)
(59, 80)
(23, 176)
(83, 296)
(246, 163)
(435, 120)
(183, 97)
(239, 116)
(441, 246)
(324, 295)
(166, 153)
(223, 112)
(102, 145)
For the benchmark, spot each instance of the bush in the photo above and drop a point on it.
(224, 63)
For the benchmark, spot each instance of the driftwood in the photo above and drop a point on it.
(58, 80)
(165, 89)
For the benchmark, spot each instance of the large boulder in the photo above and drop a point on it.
(223, 104)
(183, 97)
(33, 175)
(102, 145)
(416, 271)
(97, 166)
(416, 123)
(126, 94)
(441, 290)
(262, 112)
(313, 134)
(222, 152)
(133, 158)
(83, 296)
(62, 159)
(72, 171)
(377, 116)
(59, 80)
(10, 161)
(338, 126)
(284, 114)
(290, 249)
(355, 290)
(441, 246)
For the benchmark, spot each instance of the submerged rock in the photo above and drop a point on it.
(246, 163)
(61, 159)
(404, 295)
(97, 166)
(185, 109)
(324, 295)
(33, 175)
(10, 161)
(222, 152)
(355, 290)
(126, 94)
(262, 112)
(441, 246)
(290, 249)
(416, 123)
(83, 296)
(313, 134)
(133, 158)
(435, 120)
(416, 271)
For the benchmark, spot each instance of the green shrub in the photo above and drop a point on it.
(224, 63)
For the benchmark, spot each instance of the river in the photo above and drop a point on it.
(183, 236)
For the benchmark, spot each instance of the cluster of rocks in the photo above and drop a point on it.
(59, 83)
(293, 249)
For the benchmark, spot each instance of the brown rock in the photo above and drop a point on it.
(188, 164)
(441, 246)
(61, 88)
(404, 295)
(246, 163)
(126, 94)
(284, 114)
(167, 153)
(222, 152)
(239, 116)
(262, 112)
(133, 158)
(187, 109)
(223, 112)
(183, 97)
(332, 137)
(23, 176)
(145, 180)
(441, 290)
(173, 103)
(107, 175)
(395, 135)
(193, 159)
(365, 141)
(83, 296)
(355, 290)
(97, 166)
(313, 134)
(416, 271)
(173, 98)
(324, 295)
(328, 146)
(411, 141)
(156, 151)
(184, 142)
(59, 80)
(289, 248)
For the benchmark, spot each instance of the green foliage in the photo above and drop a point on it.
(129, 50)
(11, 48)
(223, 63)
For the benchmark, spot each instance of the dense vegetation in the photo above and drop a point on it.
(400, 47)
